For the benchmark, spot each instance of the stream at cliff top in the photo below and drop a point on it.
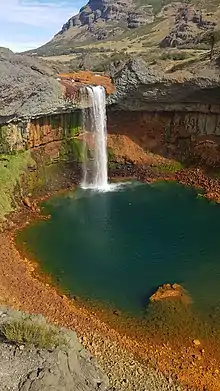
(117, 247)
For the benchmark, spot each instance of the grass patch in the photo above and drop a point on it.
(185, 64)
(77, 150)
(25, 331)
(11, 169)
(170, 167)
(175, 56)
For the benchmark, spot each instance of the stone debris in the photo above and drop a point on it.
(196, 342)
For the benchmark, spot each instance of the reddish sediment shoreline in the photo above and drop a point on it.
(23, 287)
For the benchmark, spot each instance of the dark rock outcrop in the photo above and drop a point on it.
(188, 26)
(110, 11)
(140, 17)
(139, 87)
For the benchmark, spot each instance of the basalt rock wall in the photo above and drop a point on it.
(190, 137)
(37, 157)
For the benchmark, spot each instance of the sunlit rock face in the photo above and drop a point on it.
(110, 11)
(34, 88)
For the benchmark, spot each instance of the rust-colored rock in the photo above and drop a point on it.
(71, 81)
(27, 202)
(170, 292)
(30, 205)
(190, 137)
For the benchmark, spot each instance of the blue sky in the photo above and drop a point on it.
(27, 24)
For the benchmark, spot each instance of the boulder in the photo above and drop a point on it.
(171, 292)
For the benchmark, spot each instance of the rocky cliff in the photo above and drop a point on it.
(106, 11)
(33, 88)
(174, 115)
(29, 88)
(143, 87)
(189, 26)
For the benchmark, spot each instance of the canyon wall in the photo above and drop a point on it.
(192, 138)
(38, 156)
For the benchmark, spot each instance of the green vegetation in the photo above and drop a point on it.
(75, 123)
(157, 4)
(112, 163)
(4, 146)
(175, 56)
(11, 169)
(69, 122)
(77, 150)
(26, 331)
(170, 167)
(111, 155)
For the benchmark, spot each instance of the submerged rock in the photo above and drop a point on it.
(170, 292)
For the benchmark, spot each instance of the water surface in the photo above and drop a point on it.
(117, 247)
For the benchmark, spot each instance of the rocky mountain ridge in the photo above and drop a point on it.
(97, 11)
(133, 26)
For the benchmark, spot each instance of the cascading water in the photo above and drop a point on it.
(95, 165)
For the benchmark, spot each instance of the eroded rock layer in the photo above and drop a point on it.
(189, 137)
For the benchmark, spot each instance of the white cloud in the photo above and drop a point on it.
(27, 24)
(36, 13)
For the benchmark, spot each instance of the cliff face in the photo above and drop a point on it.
(192, 138)
(38, 156)
(100, 10)
(175, 115)
(141, 87)
(106, 11)
(34, 88)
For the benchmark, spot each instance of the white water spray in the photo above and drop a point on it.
(95, 165)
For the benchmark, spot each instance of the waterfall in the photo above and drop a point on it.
(95, 165)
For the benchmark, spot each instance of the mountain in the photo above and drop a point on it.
(99, 20)
(106, 28)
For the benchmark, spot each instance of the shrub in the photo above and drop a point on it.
(175, 56)
(25, 331)
(170, 167)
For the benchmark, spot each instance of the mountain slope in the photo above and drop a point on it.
(134, 26)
